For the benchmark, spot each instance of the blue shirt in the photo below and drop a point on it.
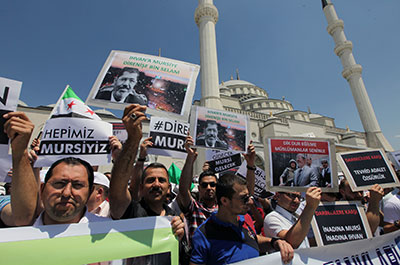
(217, 242)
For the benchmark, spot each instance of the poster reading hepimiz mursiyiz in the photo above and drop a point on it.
(83, 138)
(165, 86)
(295, 163)
(218, 129)
(365, 168)
(168, 137)
(9, 96)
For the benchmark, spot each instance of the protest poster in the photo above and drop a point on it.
(395, 158)
(259, 188)
(380, 250)
(365, 168)
(119, 131)
(340, 222)
(165, 86)
(168, 137)
(9, 96)
(87, 243)
(296, 163)
(220, 161)
(218, 129)
(83, 138)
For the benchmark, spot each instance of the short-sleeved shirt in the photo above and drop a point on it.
(4, 200)
(197, 214)
(217, 242)
(279, 220)
(391, 209)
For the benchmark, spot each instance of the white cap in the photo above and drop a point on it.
(43, 173)
(2, 191)
(100, 178)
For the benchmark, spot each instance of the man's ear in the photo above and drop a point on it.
(224, 200)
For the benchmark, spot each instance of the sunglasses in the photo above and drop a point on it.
(245, 198)
(294, 196)
(205, 184)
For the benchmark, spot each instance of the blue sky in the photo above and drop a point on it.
(281, 46)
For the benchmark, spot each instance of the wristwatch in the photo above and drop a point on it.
(397, 224)
(273, 240)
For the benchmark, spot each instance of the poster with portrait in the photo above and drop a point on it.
(295, 163)
(365, 168)
(340, 222)
(164, 85)
(218, 129)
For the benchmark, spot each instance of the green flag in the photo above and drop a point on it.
(174, 173)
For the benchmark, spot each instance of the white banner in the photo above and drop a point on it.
(168, 137)
(83, 138)
(382, 250)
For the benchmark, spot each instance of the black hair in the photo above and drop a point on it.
(153, 165)
(225, 185)
(206, 174)
(72, 161)
(129, 70)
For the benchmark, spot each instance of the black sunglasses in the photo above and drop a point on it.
(294, 196)
(205, 184)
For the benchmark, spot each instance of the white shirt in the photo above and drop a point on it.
(103, 209)
(279, 220)
(391, 209)
(87, 218)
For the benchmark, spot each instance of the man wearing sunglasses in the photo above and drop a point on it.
(284, 223)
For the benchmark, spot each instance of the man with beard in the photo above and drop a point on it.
(305, 176)
(210, 136)
(123, 88)
(66, 188)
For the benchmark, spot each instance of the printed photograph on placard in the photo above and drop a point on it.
(161, 84)
(218, 129)
(365, 168)
(299, 163)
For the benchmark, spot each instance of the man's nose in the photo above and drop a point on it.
(67, 190)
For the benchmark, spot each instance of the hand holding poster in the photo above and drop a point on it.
(340, 222)
(220, 161)
(259, 188)
(165, 86)
(168, 137)
(363, 169)
(299, 163)
(218, 129)
(9, 96)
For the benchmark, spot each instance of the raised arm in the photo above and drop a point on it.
(120, 196)
(25, 191)
(296, 234)
(374, 215)
(184, 197)
(138, 169)
(250, 158)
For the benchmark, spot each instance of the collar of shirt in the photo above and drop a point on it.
(237, 229)
(285, 213)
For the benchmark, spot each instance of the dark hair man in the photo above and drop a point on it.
(123, 88)
(65, 191)
(210, 136)
(154, 185)
(225, 237)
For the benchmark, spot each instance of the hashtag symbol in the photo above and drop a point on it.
(158, 125)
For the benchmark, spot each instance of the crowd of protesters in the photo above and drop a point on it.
(222, 223)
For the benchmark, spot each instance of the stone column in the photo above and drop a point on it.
(352, 73)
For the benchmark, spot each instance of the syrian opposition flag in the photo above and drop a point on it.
(74, 130)
(70, 105)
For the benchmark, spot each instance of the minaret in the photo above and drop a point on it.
(352, 73)
(206, 16)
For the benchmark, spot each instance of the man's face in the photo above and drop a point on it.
(65, 194)
(155, 185)
(124, 85)
(211, 133)
(289, 201)
(324, 164)
(301, 161)
(239, 204)
(208, 191)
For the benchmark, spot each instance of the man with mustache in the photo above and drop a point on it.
(210, 136)
(123, 88)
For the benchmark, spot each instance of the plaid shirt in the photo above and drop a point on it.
(197, 214)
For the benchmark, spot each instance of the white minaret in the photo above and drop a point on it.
(206, 16)
(352, 73)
